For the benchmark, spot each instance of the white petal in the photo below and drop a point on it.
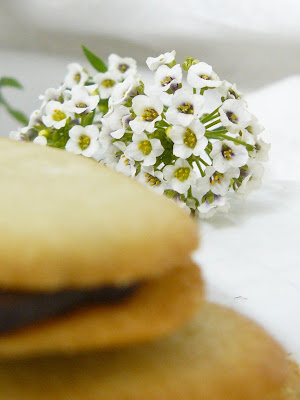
(73, 147)
(76, 132)
(180, 187)
(183, 151)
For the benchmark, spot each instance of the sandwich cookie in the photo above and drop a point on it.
(219, 355)
(89, 258)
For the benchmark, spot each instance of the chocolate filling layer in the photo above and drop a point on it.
(18, 309)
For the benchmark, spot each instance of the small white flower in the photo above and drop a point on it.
(155, 62)
(76, 75)
(188, 140)
(105, 137)
(151, 178)
(83, 140)
(124, 90)
(247, 137)
(261, 152)
(148, 111)
(226, 154)
(185, 107)
(35, 119)
(230, 91)
(110, 157)
(123, 65)
(187, 206)
(234, 115)
(106, 82)
(211, 205)
(255, 127)
(118, 121)
(261, 148)
(42, 140)
(82, 101)
(53, 94)
(144, 149)
(126, 166)
(202, 75)
(180, 176)
(215, 181)
(168, 78)
(56, 114)
(18, 135)
(252, 177)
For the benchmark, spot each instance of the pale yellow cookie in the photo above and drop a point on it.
(218, 356)
(67, 221)
(158, 307)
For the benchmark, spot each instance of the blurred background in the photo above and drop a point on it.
(250, 42)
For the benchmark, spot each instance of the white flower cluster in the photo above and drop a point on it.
(70, 116)
(192, 139)
(166, 137)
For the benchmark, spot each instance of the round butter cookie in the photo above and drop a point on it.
(157, 307)
(220, 355)
(68, 222)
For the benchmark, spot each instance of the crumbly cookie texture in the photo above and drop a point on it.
(158, 307)
(219, 355)
(67, 221)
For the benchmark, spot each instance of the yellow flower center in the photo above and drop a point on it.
(81, 105)
(123, 68)
(145, 147)
(227, 152)
(108, 83)
(182, 173)
(125, 160)
(84, 142)
(232, 117)
(206, 77)
(152, 180)
(216, 178)
(186, 108)
(190, 139)
(58, 115)
(166, 81)
(149, 114)
(77, 77)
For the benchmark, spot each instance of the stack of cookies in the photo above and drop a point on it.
(100, 299)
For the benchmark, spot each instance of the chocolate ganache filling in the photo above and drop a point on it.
(19, 309)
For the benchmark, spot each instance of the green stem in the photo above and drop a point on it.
(199, 166)
(207, 118)
(218, 135)
(217, 130)
(213, 123)
(203, 162)
(194, 91)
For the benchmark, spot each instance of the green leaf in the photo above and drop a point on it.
(11, 82)
(87, 119)
(18, 115)
(95, 61)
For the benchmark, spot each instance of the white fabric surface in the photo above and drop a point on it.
(250, 258)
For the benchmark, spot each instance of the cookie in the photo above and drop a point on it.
(291, 390)
(220, 355)
(69, 222)
(157, 307)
